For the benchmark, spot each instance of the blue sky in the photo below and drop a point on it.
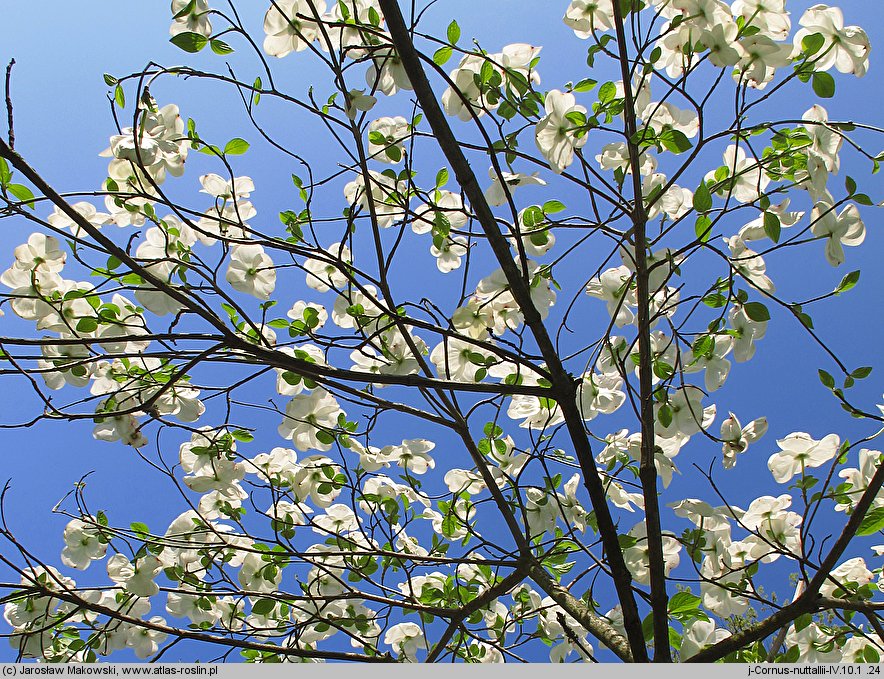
(62, 122)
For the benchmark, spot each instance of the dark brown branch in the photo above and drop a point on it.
(564, 385)
(648, 469)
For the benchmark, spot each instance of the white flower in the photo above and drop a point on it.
(251, 271)
(290, 26)
(749, 264)
(411, 454)
(60, 220)
(326, 273)
(386, 73)
(144, 641)
(82, 544)
(587, 16)
(406, 638)
(842, 229)
(736, 439)
(686, 411)
(388, 197)
(845, 47)
(698, 635)
(446, 210)
(747, 331)
(614, 287)
(496, 195)
(136, 578)
(307, 419)
(769, 16)
(845, 578)
(558, 136)
(194, 21)
(359, 101)
(859, 479)
(814, 645)
(228, 217)
(448, 252)
(616, 156)
(760, 59)
(798, 451)
(637, 559)
(745, 179)
(385, 139)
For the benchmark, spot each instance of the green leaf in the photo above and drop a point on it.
(189, 42)
(683, 602)
(120, 96)
(848, 282)
(140, 528)
(827, 380)
(441, 178)
(585, 85)
(607, 92)
(702, 198)
(236, 147)
(674, 141)
(23, 193)
(665, 415)
(850, 185)
(109, 80)
(757, 312)
(772, 226)
(5, 172)
(263, 606)
(242, 435)
(442, 55)
(823, 85)
(221, 47)
(703, 228)
(811, 44)
(453, 32)
(861, 373)
(552, 206)
(872, 522)
(187, 9)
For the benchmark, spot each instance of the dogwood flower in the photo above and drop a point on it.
(769, 16)
(326, 272)
(445, 212)
(736, 439)
(698, 635)
(61, 220)
(308, 417)
(587, 16)
(846, 578)
(448, 252)
(83, 544)
(135, 577)
(385, 139)
(194, 21)
(859, 479)
(749, 264)
(386, 73)
(406, 639)
(846, 228)
(557, 135)
(798, 451)
(637, 559)
(496, 195)
(814, 645)
(251, 271)
(614, 287)
(746, 180)
(388, 197)
(845, 47)
(290, 26)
